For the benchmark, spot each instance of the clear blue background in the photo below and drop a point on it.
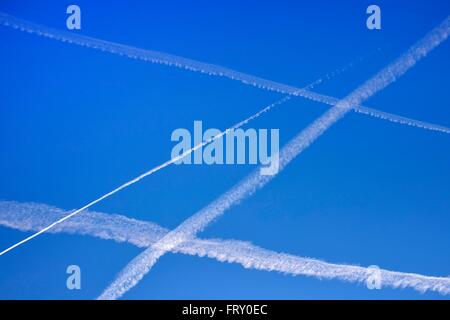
(76, 122)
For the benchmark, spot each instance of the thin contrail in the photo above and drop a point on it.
(142, 264)
(165, 164)
(32, 216)
(133, 181)
(196, 66)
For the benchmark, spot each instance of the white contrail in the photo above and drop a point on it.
(8, 20)
(402, 120)
(32, 216)
(142, 264)
(192, 65)
(163, 165)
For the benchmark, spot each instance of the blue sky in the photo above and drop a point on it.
(75, 123)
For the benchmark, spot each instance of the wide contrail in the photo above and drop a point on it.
(196, 66)
(142, 264)
(32, 216)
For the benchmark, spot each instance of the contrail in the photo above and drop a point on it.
(32, 216)
(163, 165)
(8, 20)
(402, 120)
(196, 66)
(142, 264)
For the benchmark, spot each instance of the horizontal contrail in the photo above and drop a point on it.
(196, 66)
(142, 264)
(32, 216)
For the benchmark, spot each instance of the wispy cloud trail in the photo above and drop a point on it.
(142, 264)
(32, 216)
(196, 66)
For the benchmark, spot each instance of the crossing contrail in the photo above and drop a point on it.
(196, 66)
(142, 264)
(32, 216)
(165, 164)
(16, 23)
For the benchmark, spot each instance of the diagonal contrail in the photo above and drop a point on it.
(142, 264)
(32, 216)
(147, 55)
(196, 66)
(161, 166)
